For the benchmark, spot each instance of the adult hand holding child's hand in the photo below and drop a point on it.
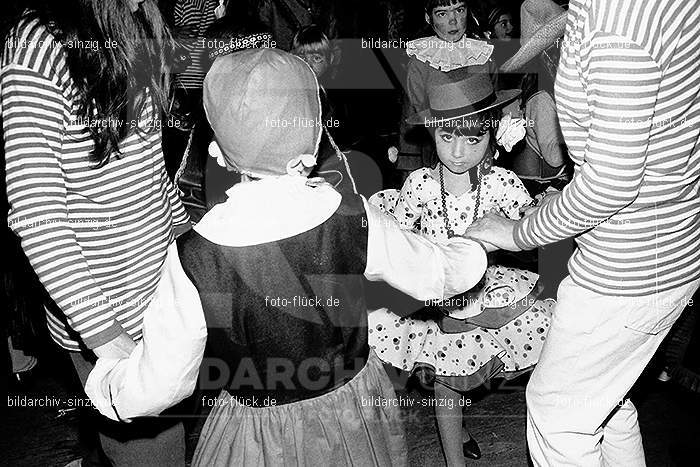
(496, 230)
(540, 200)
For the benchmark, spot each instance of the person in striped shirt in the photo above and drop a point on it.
(628, 101)
(88, 193)
(192, 20)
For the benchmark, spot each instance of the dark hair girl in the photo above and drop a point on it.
(81, 88)
(115, 60)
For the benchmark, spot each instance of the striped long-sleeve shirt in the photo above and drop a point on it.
(196, 16)
(96, 237)
(628, 99)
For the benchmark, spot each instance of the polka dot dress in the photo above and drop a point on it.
(406, 342)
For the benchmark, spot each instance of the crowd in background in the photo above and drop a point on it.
(371, 144)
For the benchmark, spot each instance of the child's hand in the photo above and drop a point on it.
(527, 211)
(496, 230)
(392, 154)
(540, 200)
(499, 211)
(547, 196)
(510, 131)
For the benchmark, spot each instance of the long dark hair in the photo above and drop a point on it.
(113, 82)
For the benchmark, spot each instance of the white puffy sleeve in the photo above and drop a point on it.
(416, 266)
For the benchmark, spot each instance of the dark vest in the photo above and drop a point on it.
(287, 320)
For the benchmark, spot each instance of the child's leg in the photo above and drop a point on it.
(448, 413)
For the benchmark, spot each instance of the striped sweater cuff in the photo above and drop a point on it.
(519, 236)
(104, 336)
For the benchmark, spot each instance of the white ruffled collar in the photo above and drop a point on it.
(267, 210)
(448, 56)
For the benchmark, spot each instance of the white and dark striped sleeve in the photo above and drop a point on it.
(180, 216)
(32, 112)
(621, 92)
(182, 12)
(187, 15)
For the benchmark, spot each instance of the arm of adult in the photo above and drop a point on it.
(622, 89)
(495, 231)
(542, 111)
(32, 113)
(416, 266)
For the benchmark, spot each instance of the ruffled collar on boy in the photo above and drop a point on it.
(447, 56)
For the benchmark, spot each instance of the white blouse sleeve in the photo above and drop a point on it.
(416, 266)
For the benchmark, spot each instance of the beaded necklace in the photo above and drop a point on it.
(450, 232)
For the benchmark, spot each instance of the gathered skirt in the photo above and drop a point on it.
(355, 424)
(462, 361)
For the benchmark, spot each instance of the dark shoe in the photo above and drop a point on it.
(471, 449)
(23, 379)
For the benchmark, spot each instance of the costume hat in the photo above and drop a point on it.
(542, 22)
(450, 101)
(265, 110)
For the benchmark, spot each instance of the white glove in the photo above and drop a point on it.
(393, 154)
(510, 131)
(216, 153)
(220, 11)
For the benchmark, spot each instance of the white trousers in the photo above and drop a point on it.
(597, 347)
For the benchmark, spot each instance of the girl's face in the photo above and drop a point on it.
(460, 153)
(449, 22)
(317, 61)
(503, 29)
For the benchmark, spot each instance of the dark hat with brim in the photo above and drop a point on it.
(454, 101)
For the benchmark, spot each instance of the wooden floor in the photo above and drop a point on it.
(669, 417)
